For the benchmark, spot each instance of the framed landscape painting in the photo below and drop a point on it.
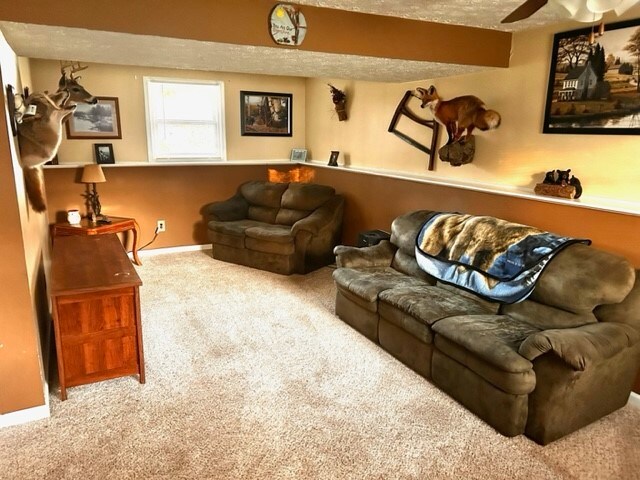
(266, 114)
(101, 120)
(594, 88)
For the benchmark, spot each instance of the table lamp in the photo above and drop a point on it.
(93, 174)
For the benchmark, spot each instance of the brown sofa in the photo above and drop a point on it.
(546, 366)
(280, 227)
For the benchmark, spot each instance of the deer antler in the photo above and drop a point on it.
(71, 66)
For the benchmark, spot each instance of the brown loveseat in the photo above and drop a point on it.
(280, 227)
(546, 366)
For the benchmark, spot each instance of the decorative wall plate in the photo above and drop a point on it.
(287, 25)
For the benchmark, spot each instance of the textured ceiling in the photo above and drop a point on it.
(38, 41)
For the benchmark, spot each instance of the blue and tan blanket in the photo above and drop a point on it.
(490, 257)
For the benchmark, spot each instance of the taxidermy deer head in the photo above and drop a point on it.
(40, 129)
(39, 135)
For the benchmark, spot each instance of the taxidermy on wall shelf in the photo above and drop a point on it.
(339, 99)
(40, 131)
(460, 115)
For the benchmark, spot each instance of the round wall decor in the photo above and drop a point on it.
(287, 25)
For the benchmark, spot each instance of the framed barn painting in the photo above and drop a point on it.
(266, 114)
(594, 86)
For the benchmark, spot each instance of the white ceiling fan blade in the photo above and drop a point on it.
(624, 6)
(602, 6)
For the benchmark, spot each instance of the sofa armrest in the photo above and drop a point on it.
(380, 255)
(234, 208)
(581, 346)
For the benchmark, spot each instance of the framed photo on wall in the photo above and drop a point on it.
(266, 114)
(594, 88)
(101, 120)
(104, 153)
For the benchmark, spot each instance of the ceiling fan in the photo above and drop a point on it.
(580, 10)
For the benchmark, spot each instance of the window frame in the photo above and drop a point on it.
(151, 157)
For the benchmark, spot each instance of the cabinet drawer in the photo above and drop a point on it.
(93, 313)
(100, 359)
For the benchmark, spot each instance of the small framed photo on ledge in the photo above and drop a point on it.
(104, 153)
(298, 155)
(333, 159)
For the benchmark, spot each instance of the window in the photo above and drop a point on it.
(185, 120)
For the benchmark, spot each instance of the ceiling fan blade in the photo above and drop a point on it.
(525, 10)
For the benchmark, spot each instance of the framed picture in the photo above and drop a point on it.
(104, 153)
(266, 114)
(298, 155)
(101, 120)
(594, 88)
(333, 158)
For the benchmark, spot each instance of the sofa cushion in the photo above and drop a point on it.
(264, 194)
(428, 304)
(405, 230)
(580, 278)
(230, 233)
(306, 196)
(270, 239)
(488, 346)
(368, 282)
(492, 338)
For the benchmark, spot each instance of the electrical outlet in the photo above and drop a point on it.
(161, 226)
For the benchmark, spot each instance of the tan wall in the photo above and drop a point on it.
(516, 154)
(175, 194)
(23, 301)
(126, 83)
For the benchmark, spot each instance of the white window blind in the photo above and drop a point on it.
(185, 120)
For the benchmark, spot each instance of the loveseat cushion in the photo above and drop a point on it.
(306, 196)
(230, 233)
(270, 239)
(488, 345)
(368, 282)
(263, 194)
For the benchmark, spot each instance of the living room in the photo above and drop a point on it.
(374, 165)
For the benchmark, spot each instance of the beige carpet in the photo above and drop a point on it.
(250, 375)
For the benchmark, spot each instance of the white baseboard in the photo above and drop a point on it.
(634, 400)
(26, 415)
(162, 251)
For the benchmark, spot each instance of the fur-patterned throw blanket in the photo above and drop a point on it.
(492, 258)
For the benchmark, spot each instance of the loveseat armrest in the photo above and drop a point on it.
(380, 255)
(581, 346)
(328, 215)
(234, 208)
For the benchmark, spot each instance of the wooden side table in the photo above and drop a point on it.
(96, 311)
(87, 227)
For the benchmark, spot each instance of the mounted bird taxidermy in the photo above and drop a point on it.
(339, 99)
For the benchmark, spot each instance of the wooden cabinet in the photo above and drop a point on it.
(96, 311)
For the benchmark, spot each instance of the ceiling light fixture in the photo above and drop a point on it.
(590, 10)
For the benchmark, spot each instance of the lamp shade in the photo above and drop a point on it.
(92, 174)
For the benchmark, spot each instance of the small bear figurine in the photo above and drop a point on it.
(563, 177)
(576, 183)
(550, 178)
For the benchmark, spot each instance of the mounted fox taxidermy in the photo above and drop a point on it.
(40, 131)
(460, 115)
